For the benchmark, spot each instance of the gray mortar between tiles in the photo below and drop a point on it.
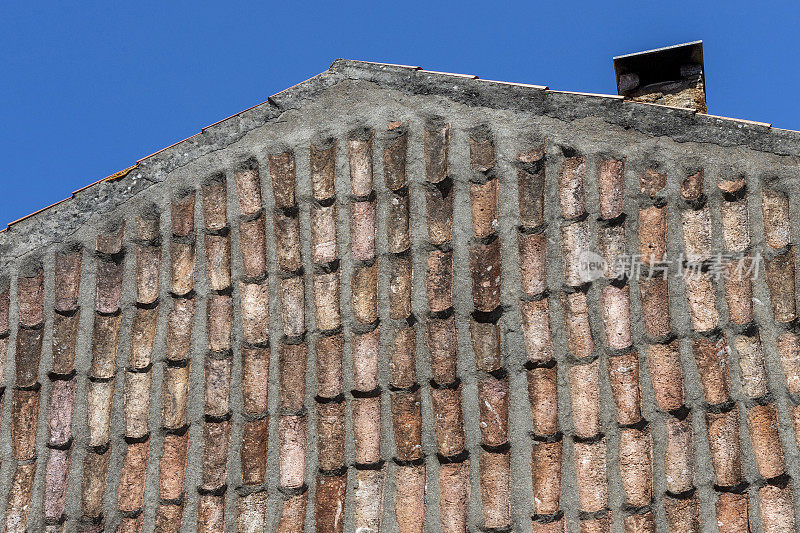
(346, 104)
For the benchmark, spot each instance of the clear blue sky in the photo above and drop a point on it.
(86, 91)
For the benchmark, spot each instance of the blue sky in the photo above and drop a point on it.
(86, 91)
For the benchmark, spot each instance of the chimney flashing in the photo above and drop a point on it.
(654, 75)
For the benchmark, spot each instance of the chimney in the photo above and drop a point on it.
(670, 76)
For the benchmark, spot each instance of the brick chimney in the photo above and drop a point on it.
(670, 76)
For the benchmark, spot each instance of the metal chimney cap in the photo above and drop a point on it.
(659, 65)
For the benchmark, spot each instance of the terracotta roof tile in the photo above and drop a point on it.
(683, 514)
(105, 339)
(282, 170)
(254, 301)
(95, 468)
(407, 424)
(366, 429)
(331, 435)
(763, 422)
(248, 187)
(27, 354)
(616, 306)
(293, 514)
(780, 275)
(365, 360)
(99, 400)
(611, 243)
(679, 455)
(217, 386)
(486, 275)
(56, 478)
(623, 374)
(531, 184)
(254, 451)
(359, 149)
(752, 364)
(652, 182)
(536, 329)
(495, 475)
(574, 242)
(454, 500)
(449, 420)
(143, 333)
(590, 469)
(287, 241)
(175, 396)
(732, 512)
(132, 477)
(402, 359)
(148, 265)
(20, 492)
(137, 403)
(62, 395)
(368, 499)
(65, 338)
(218, 261)
(329, 351)
(329, 503)
(546, 460)
(655, 306)
(486, 345)
(611, 185)
(182, 255)
(215, 454)
(571, 187)
(326, 301)
(777, 508)
(400, 287)
(292, 306)
(653, 233)
(735, 225)
(394, 157)
(324, 248)
(441, 343)
(578, 329)
(723, 439)
(255, 379)
(533, 256)
(775, 210)
(484, 198)
(700, 296)
(169, 517)
(543, 396)
(210, 513)
(182, 213)
(738, 292)
(636, 466)
(292, 374)
(67, 279)
(24, 415)
(712, 367)
(493, 394)
(219, 322)
(696, 225)
(584, 389)
(437, 150)
(409, 502)
(292, 434)
(252, 512)
(362, 229)
(252, 237)
(398, 222)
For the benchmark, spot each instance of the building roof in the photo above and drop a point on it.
(389, 299)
